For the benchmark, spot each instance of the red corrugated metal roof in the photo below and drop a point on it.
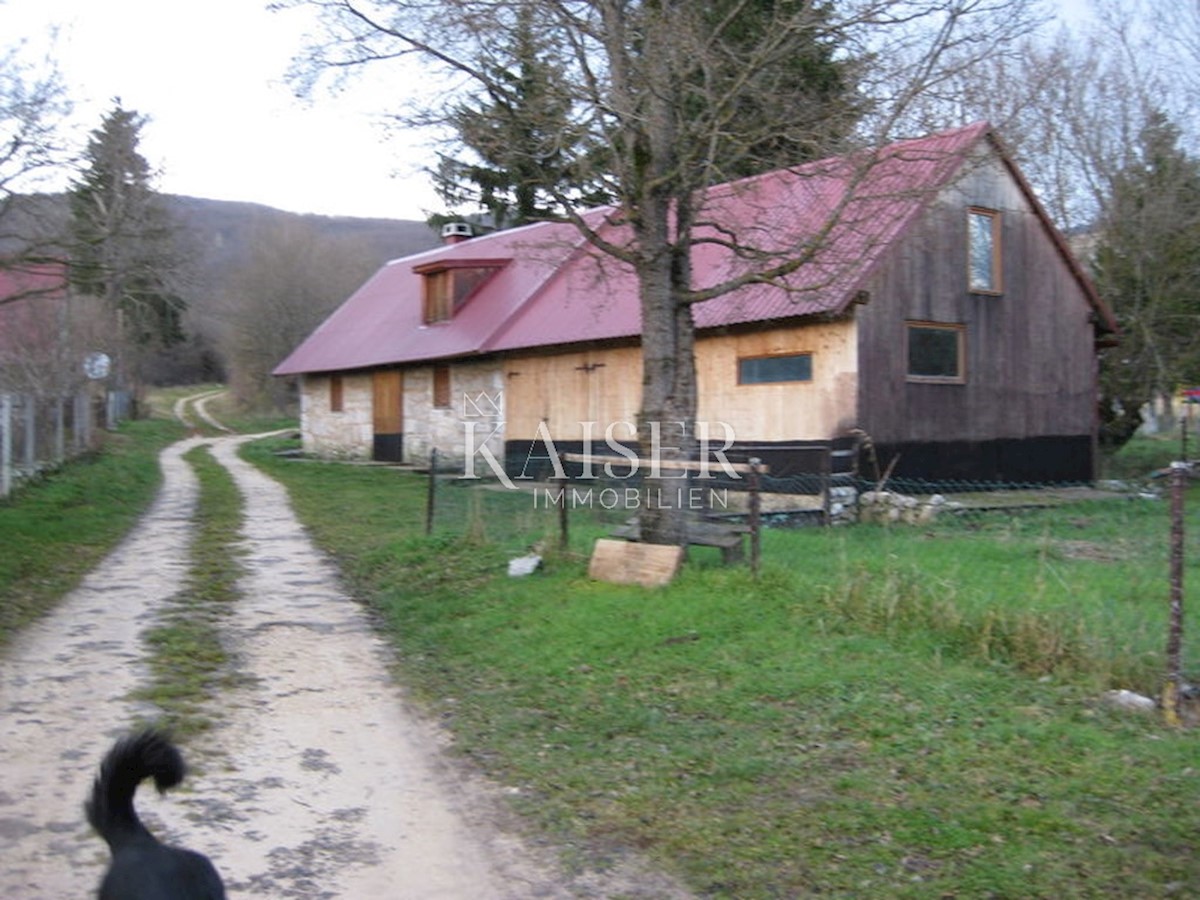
(558, 289)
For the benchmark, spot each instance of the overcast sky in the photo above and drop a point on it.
(222, 122)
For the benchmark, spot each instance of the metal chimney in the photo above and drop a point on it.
(456, 232)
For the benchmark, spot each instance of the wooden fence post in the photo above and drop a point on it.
(60, 451)
(755, 515)
(827, 483)
(1179, 477)
(430, 502)
(564, 539)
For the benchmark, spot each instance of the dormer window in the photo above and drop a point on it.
(438, 307)
(447, 285)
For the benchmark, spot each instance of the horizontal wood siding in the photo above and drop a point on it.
(1030, 360)
(789, 411)
(604, 386)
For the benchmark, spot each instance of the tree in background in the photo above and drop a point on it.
(520, 146)
(122, 243)
(531, 149)
(292, 278)
(33, 105)
(1148, 267)
(680, 98)
(815, 100)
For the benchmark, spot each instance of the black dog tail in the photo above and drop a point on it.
(148, 754)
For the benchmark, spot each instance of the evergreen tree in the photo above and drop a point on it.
(811, 95)
(1147, 268)
(122, 244)
(528, 155)
(525, 157)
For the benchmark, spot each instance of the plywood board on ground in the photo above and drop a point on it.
(626, 562)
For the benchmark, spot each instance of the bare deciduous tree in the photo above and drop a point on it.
(33, 106)
(293, 278)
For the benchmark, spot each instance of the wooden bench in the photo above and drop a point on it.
(709, 532)
(727, 536)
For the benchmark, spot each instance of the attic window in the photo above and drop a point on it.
(448, 285)
(983, 251)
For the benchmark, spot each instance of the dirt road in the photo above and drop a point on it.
(319, 780)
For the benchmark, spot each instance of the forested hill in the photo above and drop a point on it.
(224, 230)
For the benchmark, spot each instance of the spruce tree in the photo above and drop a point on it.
(526, 153)
(522, 155)
(1147, 266)
(121, 240)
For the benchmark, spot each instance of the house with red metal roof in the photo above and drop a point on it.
(937, 312)
(33, 306)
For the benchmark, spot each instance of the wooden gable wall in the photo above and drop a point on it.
(1030, 362)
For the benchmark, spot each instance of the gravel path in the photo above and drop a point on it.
(318, 780)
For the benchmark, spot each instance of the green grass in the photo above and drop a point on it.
(188, 661)
(57, 528)
(884, 712)
(1145, 454)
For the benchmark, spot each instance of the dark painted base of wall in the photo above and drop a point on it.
(388, 448)
(1044, 460)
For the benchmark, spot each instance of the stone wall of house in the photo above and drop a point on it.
(348, 434)
(473, 419)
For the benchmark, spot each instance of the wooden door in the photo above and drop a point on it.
(387, 403)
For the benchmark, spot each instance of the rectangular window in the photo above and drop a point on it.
(441, 387)
(935, 352)
(335, 393)
(983, 251)
(447, 286)
(438, 287)
(775, 369)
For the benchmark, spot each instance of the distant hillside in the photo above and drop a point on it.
(218, 240)
(223, 229)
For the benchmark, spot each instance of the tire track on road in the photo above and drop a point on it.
(64, 689)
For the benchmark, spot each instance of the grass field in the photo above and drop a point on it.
(883, 712)
(57, 528)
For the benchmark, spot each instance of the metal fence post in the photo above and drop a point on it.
(1179, 476)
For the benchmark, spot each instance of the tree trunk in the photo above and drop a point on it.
(666, 423)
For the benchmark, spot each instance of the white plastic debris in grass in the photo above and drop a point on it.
(1123, 699)
(524, 565)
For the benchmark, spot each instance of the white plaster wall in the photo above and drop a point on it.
(474, 419)
(348, 434)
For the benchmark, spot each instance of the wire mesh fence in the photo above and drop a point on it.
(605, 495)
(1067, 573)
